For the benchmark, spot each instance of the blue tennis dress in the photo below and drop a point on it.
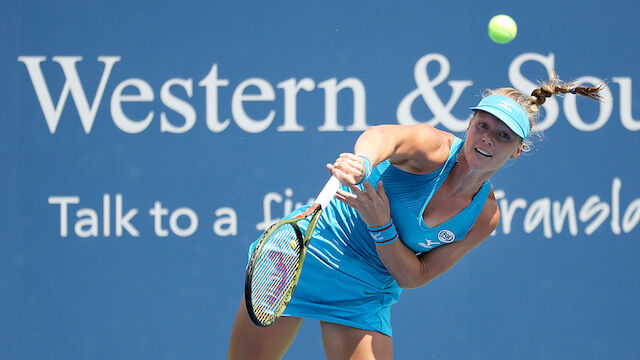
(343, 280)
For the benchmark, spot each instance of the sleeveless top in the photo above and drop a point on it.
(409, 195)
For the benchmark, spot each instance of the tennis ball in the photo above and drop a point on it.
(502, 29)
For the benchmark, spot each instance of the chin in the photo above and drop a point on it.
(482, 160)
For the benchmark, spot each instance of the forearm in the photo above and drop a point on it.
(412, 271)
(403, 264)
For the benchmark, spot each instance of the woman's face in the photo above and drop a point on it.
(490, 142)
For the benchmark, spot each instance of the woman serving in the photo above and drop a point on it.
(413, 201)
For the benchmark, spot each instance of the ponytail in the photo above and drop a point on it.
(531, 105)
(555, 87)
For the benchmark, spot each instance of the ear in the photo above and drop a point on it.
(518, 152)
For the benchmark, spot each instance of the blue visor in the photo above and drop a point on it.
(507, 110)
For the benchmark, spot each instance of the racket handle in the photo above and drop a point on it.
(328, 192)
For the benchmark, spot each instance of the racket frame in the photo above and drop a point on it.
(314, 211)
(321, 202)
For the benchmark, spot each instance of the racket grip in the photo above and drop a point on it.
(328, 192)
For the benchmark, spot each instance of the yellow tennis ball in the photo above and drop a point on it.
(502, 29)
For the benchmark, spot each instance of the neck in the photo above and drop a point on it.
(466, 181)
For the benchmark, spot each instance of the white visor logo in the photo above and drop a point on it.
(507, 106)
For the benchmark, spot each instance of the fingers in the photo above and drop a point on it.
(346, 194)
(351, 168)
(330, 167)
(350, 160)
(370, 191)
(347, 198)
(367, 186)
(345, 201)
(351, 156)
(371, 203)
(356, 190)
(345, 178)
(381, 192)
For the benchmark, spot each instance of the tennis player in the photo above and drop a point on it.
(414, 200)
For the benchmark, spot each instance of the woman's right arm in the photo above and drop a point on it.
(417, 149)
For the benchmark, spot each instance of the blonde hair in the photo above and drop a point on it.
(532, 104)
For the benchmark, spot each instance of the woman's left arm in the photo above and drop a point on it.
(409, 270)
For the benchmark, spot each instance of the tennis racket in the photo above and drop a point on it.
(276, 262)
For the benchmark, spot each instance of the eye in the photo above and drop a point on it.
(483, 125)
(504, 135)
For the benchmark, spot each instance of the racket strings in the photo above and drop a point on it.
(274, 272)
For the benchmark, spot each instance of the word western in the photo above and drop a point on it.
(243, 94)
(257, 90)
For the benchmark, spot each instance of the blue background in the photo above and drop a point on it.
(518, 295)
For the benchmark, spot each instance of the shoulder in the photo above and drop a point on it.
(426, 132)
(437, 139)
(424, 148)
(487, 220)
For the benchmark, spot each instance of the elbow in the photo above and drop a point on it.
(375, 131)
(407, 284)
(417, 277)
(412, 282)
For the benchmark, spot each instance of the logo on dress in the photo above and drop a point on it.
(446, 236)
(429, 244)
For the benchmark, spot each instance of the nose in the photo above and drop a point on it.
(487, 140)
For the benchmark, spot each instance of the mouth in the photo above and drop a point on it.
(483, 152)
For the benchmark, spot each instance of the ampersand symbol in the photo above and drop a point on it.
(426, 89)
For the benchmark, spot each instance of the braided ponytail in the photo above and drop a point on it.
(555, 87)
(532, 104)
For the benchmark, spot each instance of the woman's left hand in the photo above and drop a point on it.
(372, 204)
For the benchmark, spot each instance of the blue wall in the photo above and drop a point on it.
(227, 112)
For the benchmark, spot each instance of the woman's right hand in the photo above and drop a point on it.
(348, 168)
